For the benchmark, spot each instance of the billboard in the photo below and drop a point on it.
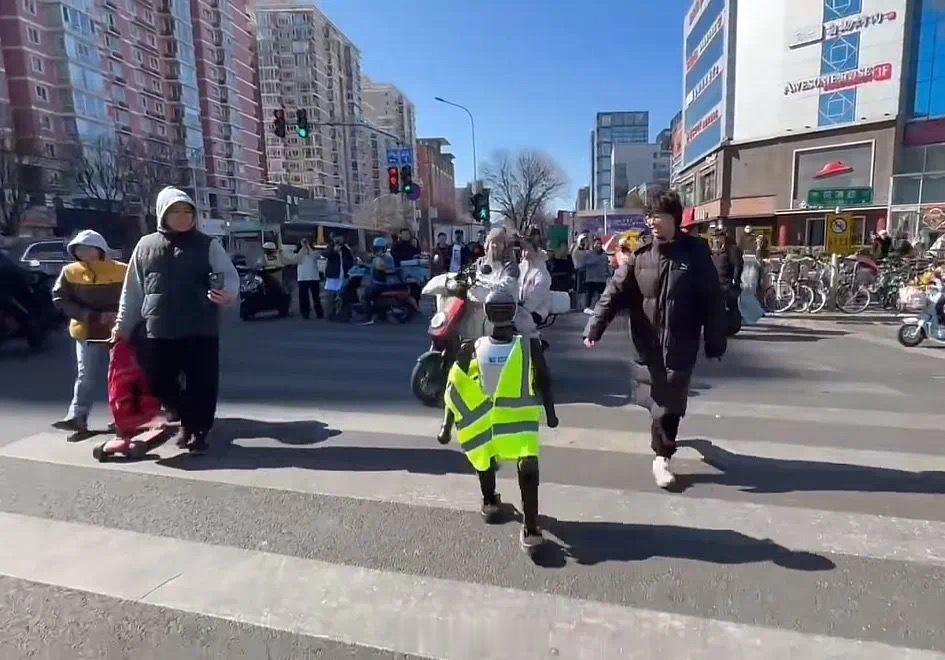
(705, 84)
(834, 63)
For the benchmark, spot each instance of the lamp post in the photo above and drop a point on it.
(472, 124)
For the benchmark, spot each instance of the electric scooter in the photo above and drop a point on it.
(916, 329)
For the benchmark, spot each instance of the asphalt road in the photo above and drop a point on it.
(327, 522)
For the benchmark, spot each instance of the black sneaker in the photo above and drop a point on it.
(491, 509)
(198, 446)
(183, 438)
(72, 424)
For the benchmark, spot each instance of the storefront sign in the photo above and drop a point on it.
(840, 234)
(703, 84)
(704, 124)
(857, 23)
(704, 43)
(838, 81)
(817, 197)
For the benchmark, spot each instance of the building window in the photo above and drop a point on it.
(45, 122)
(42, 93)
(37, 64)
(33, 35)
(30, 6)
(50, 150)
(708, 189)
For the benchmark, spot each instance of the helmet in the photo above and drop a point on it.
(500, 309)
(379, 243)
(269, 245)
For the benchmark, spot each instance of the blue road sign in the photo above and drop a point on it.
(406, 156)
(393, 157)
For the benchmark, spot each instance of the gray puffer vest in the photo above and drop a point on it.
(176, 269)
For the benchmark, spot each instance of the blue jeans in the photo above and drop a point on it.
(91, 376)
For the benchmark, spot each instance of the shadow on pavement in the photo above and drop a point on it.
(309, 432)
(755, 474)
(589, 543)
(787, 338)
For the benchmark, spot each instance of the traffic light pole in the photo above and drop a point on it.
(472, 124)
(359, 125)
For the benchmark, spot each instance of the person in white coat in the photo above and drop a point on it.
(534, 296)
(309, 279)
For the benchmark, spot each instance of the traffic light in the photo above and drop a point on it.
(406, 180)
(279, 124)
(479, 204)
(301, 118)
(393, 180)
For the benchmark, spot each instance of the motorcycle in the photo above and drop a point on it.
(396, 304)
(460, 316)
(260, 292)
(916, 329)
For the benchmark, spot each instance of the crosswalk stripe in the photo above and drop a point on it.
(874, 418)
(424, 616)
(629, 442)
(810, 530)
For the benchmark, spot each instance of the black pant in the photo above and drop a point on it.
(198, 360)
(528, 484)
(940, 308)
(542, 375)
(663, 430)
(307, 289)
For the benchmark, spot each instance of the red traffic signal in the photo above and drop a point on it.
(393, 179)
(279, 124)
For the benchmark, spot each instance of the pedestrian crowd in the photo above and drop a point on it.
(166, 303)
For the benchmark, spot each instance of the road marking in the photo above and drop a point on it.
(401, 613)
(926, 350)
(811, 530)
(425, 429)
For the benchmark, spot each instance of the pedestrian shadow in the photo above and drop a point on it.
(432, 460)
(589, 543)
(756, 474)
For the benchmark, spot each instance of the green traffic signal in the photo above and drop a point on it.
(483, 214)
(303, 133)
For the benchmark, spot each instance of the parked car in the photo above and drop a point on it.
(46, 256)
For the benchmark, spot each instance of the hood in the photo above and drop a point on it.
(89, 238)
(167, 198)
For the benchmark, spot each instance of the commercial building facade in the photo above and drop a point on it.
(633, 165)
(437, 177)
(917, 204)
(781, 130)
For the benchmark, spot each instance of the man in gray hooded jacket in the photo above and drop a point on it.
(177, 280)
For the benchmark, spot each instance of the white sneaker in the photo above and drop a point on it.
(589, 311)
(661, 472)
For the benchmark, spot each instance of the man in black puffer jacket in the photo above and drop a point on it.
(671, 289)
(729, 264)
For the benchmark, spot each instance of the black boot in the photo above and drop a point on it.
(183, 437)
(198, 445)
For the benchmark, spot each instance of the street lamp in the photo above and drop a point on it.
(472, 124)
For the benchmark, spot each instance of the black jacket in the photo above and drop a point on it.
(729, 263)
(672, 293)
(339, 260)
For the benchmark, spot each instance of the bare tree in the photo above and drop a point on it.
(13, 193)
(105, 171)
(522, 185)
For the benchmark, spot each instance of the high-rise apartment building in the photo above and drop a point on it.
(387, 108)
(224, 46)
(6, 127)
(613, 128)
(306, 62)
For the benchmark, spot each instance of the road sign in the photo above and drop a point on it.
(406, 156)
(393, 157)
(839, 234)
(832, 197)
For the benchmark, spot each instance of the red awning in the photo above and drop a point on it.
(689, 217)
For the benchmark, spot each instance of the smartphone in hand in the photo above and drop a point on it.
(216, 281)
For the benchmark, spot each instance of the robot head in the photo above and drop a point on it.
(500, 309)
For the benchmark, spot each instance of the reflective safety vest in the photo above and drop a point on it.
(504, 427)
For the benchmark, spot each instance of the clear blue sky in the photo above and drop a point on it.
(533, 72)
